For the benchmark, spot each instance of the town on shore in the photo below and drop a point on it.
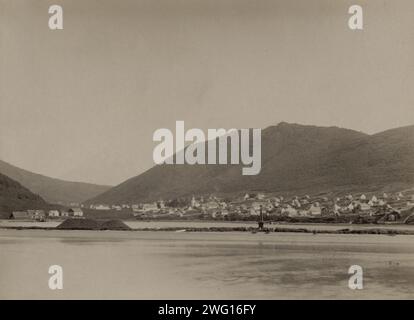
(360, 208)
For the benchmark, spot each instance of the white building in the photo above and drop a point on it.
(76, 212)
(152, 206)
(364, 206)
(53, 213)
(290, 212)
(315, 210)
(296, 203)
(194, 203)
(102, 207)
(211, 205)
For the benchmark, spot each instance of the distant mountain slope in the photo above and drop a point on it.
(295, 158)
(52, 190)
(13, 197)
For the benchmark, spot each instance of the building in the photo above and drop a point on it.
(150, 207)
(364, 206)
(260, 196)
(289, 211)
(53, 213)
(75, 212)
(161, 204)
(211, 205)
(64, 213)
(146, 207)
(102, 207)
(39, 215)
(194, 203)
(392, 216)
(20, 215)
(31, 213)
(315, 210)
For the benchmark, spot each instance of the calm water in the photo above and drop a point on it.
(232, 265)
(209, 224)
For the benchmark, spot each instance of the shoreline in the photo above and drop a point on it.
(376, 231)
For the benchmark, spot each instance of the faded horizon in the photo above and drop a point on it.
(81, 104)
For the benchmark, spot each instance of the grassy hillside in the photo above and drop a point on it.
(295, 158)
(52, 190)
(13, 196)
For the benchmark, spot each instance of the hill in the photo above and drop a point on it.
(13, 197)
(52, 190)
(295, 159)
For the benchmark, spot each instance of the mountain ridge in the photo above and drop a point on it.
(53, 190)
(295, 158)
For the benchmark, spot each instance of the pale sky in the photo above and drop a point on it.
(82, 103)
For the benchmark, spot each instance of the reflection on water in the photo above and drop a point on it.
(163, 265)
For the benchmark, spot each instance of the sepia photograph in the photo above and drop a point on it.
(206, 150)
